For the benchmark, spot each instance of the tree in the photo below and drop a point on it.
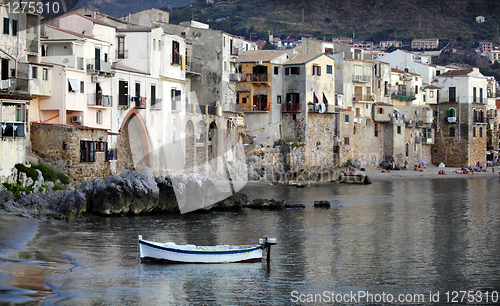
(268, 46)
(496, 65)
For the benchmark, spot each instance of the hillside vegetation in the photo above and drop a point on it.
(369, 20)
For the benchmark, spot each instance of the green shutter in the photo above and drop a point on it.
(346, 118)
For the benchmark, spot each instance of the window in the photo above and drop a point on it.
(407, 150)
(6, 26)
(87, 151)
(176, 55)
(452, 131)
(358, 112)
(431, 94)
(121, 47)
(159, 45)
(276, 70)
(480, 132)
(123, 93)
(368, 122)
(14, 27)
(292, 71)
(480, 95)
(154, 44)
(423, 97)
(450, 112)
(45, 74)
(452, 95)
(474, 95)
(329, 69)
(175, 96)
(316, 70)
(375, 130)
(346, 118)
(73, 85)
(278, 99)
(105, 57)
(416, 89)
(98, 117)
(34, 72)
(346, 141)
(380, 110)
(474, 131)
(399, 129)
(82, 84)
(153, 96)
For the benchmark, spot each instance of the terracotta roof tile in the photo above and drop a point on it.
(259, 55)
(75, 33)
(456, 72)
(302, 58)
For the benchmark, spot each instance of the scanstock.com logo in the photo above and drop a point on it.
(205, 166)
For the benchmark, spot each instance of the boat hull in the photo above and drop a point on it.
(156, 253)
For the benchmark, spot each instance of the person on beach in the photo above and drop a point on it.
(406, 165)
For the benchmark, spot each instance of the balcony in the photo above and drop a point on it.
(99, 100)
(121, 54)
(156, 104)
(140, 102)
(95, 66)
(361, 78)
(235, 77)
(291, 107)
(363, 98)
(232, 108)
(5, 85)
(192, 68)
(254, 77)
(427, 140)
(451, 120)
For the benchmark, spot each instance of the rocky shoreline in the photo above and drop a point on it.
(129, 193)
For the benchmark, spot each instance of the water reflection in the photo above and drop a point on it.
(395, 237)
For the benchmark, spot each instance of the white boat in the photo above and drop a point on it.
(170, 252)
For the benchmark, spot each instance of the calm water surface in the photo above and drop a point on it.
(399, 237)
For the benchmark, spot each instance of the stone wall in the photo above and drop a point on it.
(59, 146)
(319, 140)
(462, 149)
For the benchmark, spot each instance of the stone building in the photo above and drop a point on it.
(260, 94)
(310, 115)
(461, 125)
(78, 151)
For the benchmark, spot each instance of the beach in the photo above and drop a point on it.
(429, 172)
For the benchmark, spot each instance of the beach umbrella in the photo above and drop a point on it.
(421, 161)
(489, 162)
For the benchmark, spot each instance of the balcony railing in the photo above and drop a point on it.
(192, 67)
(94, 65)
(291, 107)
(5, 84)
(361, 78)
(451, 119)
(156, 104)
(260, 107)
(176, 105)
(232, 108)
(79, 63)
(99, 100)
(121, 54)
(358, 98)
(12, 129)
(261, 77)
(140, 102)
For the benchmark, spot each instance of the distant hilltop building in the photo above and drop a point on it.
(480, 19)
(389, 43)
(426, 43)
(485, 46)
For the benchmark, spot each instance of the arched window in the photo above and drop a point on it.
(474, 115)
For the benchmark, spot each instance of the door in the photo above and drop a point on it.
(5, 69)
(97, 59)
